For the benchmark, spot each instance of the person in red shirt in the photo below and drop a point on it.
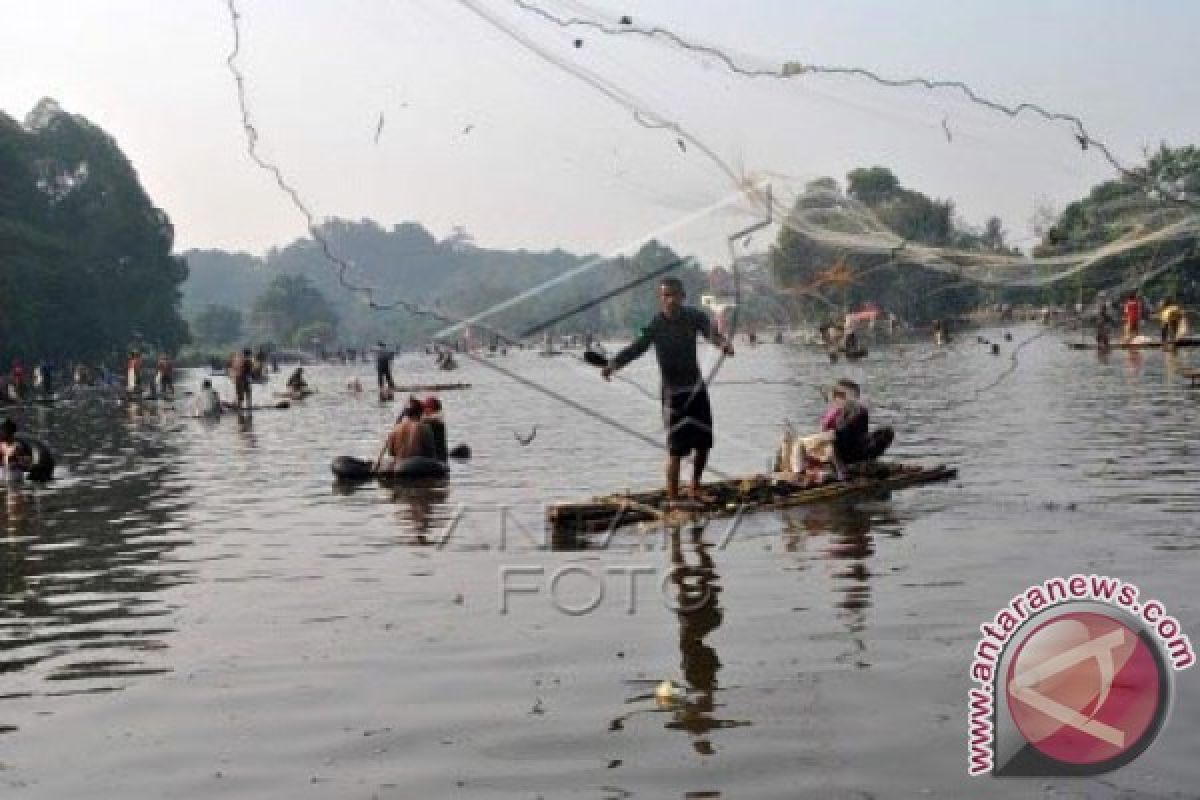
(1132, 311)
(133, 372)
(18, 378)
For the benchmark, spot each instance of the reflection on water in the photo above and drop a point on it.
(697, 595)
(842, 534)
(209, 570)
(421, 510)
(82, 571)
(695, 598)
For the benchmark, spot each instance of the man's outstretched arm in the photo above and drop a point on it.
(636, 349)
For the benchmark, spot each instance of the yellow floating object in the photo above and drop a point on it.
(668, 695)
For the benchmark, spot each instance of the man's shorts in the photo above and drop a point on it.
(688, 418)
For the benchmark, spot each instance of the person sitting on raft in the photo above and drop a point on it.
(853, 442)
(844, 440)
(432, 420)
(408, 438)
(13, 454)
(207, 403)
(296, 383)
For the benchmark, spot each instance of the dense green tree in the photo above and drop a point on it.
(871, 186)
(994, 235)
(85, 257)
(289, 305)
(912, 291)
(1163, 191)
(218, 325)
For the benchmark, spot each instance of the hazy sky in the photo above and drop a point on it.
(480, 133)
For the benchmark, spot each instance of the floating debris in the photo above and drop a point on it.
(668, 695)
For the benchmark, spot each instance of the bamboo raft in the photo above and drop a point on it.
(1155, 345)
(432, 387)
(756, 494)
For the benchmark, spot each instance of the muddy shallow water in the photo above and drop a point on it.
(191, 610)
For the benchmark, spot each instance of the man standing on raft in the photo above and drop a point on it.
(686, 409)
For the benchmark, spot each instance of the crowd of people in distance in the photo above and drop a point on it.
(20, 386)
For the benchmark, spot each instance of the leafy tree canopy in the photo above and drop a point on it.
(83, 250)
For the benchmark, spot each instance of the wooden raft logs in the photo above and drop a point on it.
(431, 387)
(758, 493)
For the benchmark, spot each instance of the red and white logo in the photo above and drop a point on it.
(1086, 690)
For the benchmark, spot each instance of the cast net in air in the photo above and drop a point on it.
(564, 123)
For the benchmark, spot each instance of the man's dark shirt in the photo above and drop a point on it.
(674, 342)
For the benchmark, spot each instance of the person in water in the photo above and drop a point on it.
(207, 403)
(686, 410)
(133, 372)
(383, 370)
(432, 419)
(13, 454)
(17, 381)
(243, 377)
(43, 379)
(445, 359)
(296, 383)
(260, 364)
(1132, 312)
(1104, 326)
(165, 375)
(408, 438)
(1171, 317)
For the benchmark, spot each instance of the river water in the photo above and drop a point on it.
(192, 611)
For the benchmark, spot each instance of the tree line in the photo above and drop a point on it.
(1163, 191)
(236, 296)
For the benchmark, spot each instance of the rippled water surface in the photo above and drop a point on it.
(191, 610)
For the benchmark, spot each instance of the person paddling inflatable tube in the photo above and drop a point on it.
(22, 455)
(41, 460)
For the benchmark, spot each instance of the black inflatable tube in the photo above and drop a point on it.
(42, 460)
(348, 469)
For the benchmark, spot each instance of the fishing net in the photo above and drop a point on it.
(560, 122)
